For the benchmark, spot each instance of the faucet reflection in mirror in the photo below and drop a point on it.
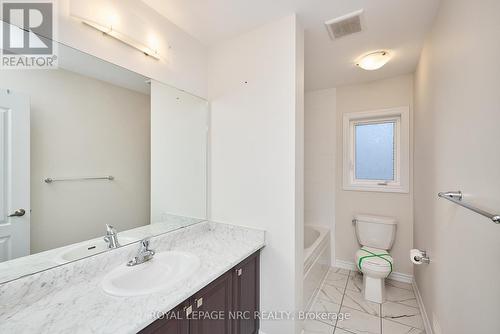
(111, 237)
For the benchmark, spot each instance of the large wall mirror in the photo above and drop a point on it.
(94, 156)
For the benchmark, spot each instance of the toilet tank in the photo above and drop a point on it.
(375, 231)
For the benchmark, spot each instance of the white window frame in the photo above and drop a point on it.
(401, 117)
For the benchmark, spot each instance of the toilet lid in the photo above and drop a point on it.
(374, 261)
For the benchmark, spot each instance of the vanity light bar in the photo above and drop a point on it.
(121, 37)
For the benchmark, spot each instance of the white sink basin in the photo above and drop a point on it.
(88, 248)
(163, 272)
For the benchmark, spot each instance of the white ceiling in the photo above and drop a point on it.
(396, 25)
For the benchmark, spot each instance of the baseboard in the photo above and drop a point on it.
(347, 265)
(425, 318)
(399, 277)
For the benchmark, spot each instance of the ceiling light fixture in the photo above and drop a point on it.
(110, 31)
(374, 61)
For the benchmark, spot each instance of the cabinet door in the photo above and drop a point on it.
(246, 295)
(174, 322)
(211, 307)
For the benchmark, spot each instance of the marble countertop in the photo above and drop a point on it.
(69, 299)
(34, 263)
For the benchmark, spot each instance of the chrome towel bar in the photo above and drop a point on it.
(457, 196)
(54, 179)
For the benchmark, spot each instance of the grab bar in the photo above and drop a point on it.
(457, 196)
(53, 179)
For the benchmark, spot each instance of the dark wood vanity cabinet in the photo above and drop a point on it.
(246, 291)
(174, 323)
(226, 306)
(213, 304)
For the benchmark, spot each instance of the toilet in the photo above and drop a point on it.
(376, 236)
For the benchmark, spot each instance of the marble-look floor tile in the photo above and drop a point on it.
(398, 315)
(326, 309)
(359, 322)
(390, 327)
(340, 271)
(398, 295)
(355, 272)
(331, 293)
(396, 284)
(341, 331)
(406, 315)
(336, 279)
(321, 305)
(317, 327)
(410, 302)
(355, 282)
(416, 331)
(357, 301)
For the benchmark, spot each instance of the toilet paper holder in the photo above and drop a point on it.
(422, 257)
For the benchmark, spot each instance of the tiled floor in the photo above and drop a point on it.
(341, 292)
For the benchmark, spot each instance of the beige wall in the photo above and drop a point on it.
(256, 160)
(394, 92)
(179, 124)
(84, 127)
(320, 158)
(457, 139)
(320, 140)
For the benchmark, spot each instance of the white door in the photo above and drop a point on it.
(14, 175)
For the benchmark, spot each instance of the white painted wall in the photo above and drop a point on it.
(179, 128)
(84, 127)
(255, 83)
(389, 93)
(320, 159)
(299, 205)
(456, 147)
(184, 59)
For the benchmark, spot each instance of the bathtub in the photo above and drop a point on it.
(316, 260)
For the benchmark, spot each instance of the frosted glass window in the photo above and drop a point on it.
(374, 151)
(376, 154)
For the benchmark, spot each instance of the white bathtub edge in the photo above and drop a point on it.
(324, 231)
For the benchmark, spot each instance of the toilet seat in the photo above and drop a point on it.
(374, 263)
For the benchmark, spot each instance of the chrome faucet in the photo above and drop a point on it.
(111, 237)
(144, 254)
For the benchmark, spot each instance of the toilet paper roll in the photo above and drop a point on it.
(416, 256)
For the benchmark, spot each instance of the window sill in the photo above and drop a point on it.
(380, 189)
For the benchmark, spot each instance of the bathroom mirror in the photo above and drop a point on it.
(91, 145)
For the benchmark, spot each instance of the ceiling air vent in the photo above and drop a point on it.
(345, 25)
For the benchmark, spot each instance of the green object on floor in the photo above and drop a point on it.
(382, 256)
